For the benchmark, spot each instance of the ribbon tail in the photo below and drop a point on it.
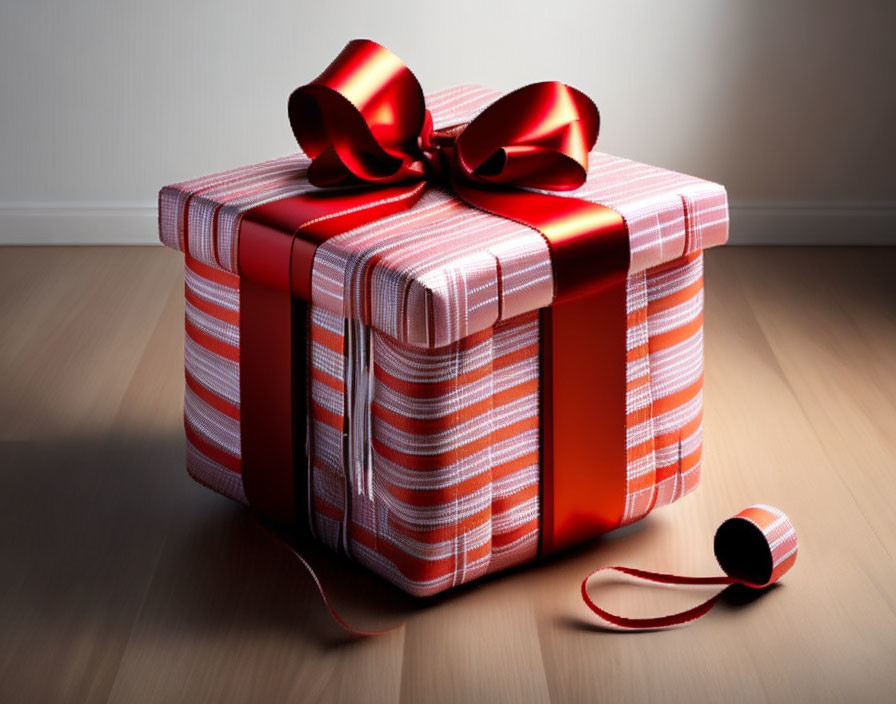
(623, 623)
(334, 614)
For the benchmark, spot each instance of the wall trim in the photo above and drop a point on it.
(78, 222)
(806, 222)
(765, 222)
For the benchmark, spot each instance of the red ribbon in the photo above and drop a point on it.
(374, 152)
(754, 548)
(364, 124)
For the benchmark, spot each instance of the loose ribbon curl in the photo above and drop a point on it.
(754, 548)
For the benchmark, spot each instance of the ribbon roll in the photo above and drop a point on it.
(754, 548)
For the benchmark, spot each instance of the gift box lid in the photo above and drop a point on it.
(442, 270)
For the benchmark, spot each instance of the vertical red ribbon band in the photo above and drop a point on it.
(364, 124)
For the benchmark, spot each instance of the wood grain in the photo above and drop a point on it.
(123, 581)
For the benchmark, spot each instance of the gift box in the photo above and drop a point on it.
(439, 390)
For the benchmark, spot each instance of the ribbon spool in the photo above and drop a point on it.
(754, 548)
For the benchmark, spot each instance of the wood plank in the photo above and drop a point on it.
(122, 580)
(76, 321)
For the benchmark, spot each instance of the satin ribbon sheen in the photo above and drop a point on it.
(364, 124)
(754, 548)
(374, 151)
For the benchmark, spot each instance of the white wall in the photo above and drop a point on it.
(790, 104)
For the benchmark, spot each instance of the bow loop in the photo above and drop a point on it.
(538, 136)
(364, 120)
(360, 120)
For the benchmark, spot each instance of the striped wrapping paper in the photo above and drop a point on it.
(440, 480)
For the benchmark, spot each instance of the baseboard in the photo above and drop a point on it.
(79, 223)
(813, 223)
(752, 223)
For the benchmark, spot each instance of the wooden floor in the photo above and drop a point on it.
(121, 580)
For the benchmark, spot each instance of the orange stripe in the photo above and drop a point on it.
(500, 540)
(440, 388)
(637, 352)
(645, 481)
(687, 462)
(670, 402)
(428, 497)
(500, 471)
(685, 431)
(213, 344)
(640, 483)
(666, 472)
(220, 312)
(679, 398)
(325, 508)
(433, 462)
(234, 464)
(211, 398)
(637, 383)
(640, 416)
(428, 426)
(442, 495)
(414, 568)
(673, 337)
(636, 452)
(323, 377)
(502, 504)
(440, 534)
(670, 300)
(326, 416)
(327, 338)
(225, 278)
(676, 298)
(665, 439)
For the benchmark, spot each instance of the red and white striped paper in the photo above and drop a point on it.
(440, 482)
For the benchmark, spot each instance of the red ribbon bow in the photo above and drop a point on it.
(364, 120)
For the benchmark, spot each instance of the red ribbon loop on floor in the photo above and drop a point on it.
(754, 548)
